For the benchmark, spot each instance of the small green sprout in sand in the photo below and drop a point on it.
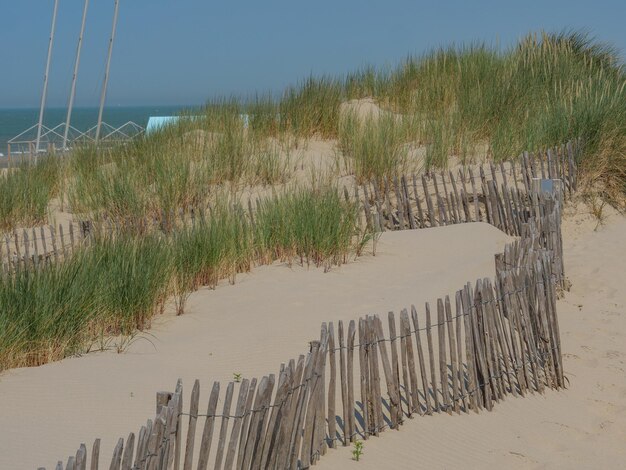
(237, 377)
(358, 450)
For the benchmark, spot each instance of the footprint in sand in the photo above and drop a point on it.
(612, 354)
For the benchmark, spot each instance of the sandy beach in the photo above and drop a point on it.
(266, 318)
(269, 315)
(581, 427)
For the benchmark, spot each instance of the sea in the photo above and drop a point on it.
(15, 121)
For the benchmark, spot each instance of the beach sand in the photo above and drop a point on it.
(266, 318)
(578, 428)
(269, 316)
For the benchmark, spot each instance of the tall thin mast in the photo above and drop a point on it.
(106, 72)
(75, 76)
(45, 77)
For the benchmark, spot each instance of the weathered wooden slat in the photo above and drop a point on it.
(483, 380)
(403, 366)
(453, 357)
(95, 455)
(407, 198)
(282, 454)
(457, 200)
(485, 192)
(332, 385)
(443, 362)
(364, 376)
(399, 203)
(81, 457)
(420, 213)
(19, 260)
(478, 215)
(510, 323)
(309, 423)
(255, 422)
(44, 245)
(263, 417)
(366, 207)
(191, 429)
(443, 219)
(429, 203)
(379, 209)
(177, 420)
(391, 377)
(483, 320)
(346, 407)
(63, 247)
(420, 355)
(375, 377)
(71, 463)
(431, 360)
(465, 197)
(127, 458)
(35, 249)
(497, 344)
(396, 365)
(472, 388)
(296, 436)
(142, 443)
(207, 433)
(407, 346)
(116, 460)
(221, 442)
(245, 422)
(449, 204)
(390, 215)
(319, 441)
(273, 426)
(27, 257)
(459, 317)
(350, 384)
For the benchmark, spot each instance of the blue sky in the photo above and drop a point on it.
(185, 51)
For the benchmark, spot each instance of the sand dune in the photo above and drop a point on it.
(267, 318)
(581, 427)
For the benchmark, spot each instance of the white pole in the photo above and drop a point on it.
(45, 77)
(106, 72)
(75, 76)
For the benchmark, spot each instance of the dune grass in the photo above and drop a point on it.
(176, 167)
(25, 193)
(115, 285)
(374, 147)
(542, 92)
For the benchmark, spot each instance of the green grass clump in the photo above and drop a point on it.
(117, 282)
(317, 226)
(546, 90)
(312, 108)
(213, 248)
(108, 288)
(25, 193)
(374, 147)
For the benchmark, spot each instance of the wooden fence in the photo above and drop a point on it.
(496, 194)
(496, 337)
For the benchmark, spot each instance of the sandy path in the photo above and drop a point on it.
(582, 427)
(268, 317)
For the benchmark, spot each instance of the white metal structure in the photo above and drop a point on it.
(45, 77)
(106, 72)
(70, 105)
